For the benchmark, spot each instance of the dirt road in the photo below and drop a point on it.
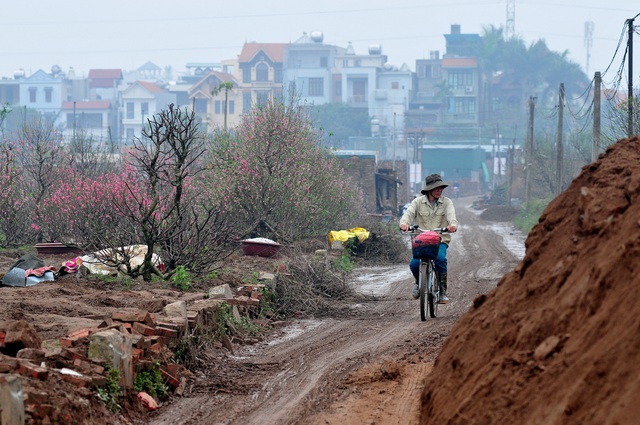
(365, 368)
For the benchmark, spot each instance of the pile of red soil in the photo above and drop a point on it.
(558, 340)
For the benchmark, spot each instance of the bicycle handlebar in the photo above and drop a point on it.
(438, 230)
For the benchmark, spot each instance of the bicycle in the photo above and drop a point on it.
(428, 284)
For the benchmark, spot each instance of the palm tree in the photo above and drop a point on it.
(226, 86)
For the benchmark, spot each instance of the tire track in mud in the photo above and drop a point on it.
(306, 382)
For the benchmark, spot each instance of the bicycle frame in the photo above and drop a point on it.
(428, 285)
(429, 289)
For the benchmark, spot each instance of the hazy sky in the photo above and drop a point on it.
(86, 34)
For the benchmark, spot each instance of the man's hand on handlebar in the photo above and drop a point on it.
(405, 227)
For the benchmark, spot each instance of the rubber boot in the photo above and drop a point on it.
(442, 278)
(416, 291)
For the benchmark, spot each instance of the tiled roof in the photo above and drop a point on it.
(97, 104)
(150, 86)
(104, 78)
(112, 74)
(460, 62)
(224, 77)
(275, 51)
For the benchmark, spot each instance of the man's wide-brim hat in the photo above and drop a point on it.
(431, 182)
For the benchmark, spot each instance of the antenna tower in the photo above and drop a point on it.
(588, 40)
(510, 31)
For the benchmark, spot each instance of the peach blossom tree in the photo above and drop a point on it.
(278, 181)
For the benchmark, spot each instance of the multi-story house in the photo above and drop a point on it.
(260, 66)
(309, 69)
(139, 102)
(95, 120)
(461, 75)
(322, 73)
(215, 99)
(444, 120)
(42, 92)
(104, 83)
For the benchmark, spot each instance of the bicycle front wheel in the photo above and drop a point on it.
(422, 284)
(433, 291)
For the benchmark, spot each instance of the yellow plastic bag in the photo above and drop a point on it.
(344, 235)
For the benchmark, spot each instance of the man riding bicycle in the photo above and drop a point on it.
(431, 211)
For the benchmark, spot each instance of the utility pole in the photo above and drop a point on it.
(74, 122)
(511, 161)
(559, 145)
(393, 140)
(597, 84)
(630, 66)
(529, 150)
(499, 136)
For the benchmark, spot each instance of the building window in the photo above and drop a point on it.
(262, 72)
(324, 61)
(129, 110)
(278, 75)
(217, 107)
(232, 107)
(90, 120)
(144, 109)
(262, 98)
(48, 94)
(200, 106)
(32, 94)
(246, 75)
(465, 108)
(337, 89)
(130, 133)
(459, 79)
(316, 87)
(246, 102)
(70, 120)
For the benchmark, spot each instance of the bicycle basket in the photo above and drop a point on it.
(426, 245)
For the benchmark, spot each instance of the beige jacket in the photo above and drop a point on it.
(421, 212)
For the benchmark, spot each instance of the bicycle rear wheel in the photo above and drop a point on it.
(433, 292)
(422, 284)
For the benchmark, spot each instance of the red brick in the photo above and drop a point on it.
(8, 364)
(87, 366)
(99, 381)
(139, 316)
(144, 329)
(169, 333)
(26, 368)
(72, 354)
(78, 381)
(107, 322)
(172, 380)
(82, 333)
(137, 354)
(179, 326)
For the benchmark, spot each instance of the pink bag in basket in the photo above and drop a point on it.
(426, 245)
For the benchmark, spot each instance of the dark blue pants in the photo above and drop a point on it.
(440, 262)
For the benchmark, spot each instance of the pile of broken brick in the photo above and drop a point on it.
(131, 341)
